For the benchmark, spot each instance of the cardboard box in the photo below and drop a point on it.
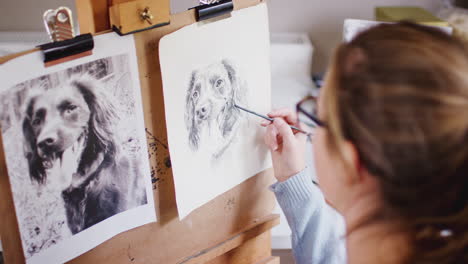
(415, 14)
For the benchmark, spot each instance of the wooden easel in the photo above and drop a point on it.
(233, 228)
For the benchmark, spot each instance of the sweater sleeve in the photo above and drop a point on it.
(317, 229)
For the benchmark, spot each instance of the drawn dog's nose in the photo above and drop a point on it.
(203, 111)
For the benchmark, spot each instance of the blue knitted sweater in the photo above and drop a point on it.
(317, 229)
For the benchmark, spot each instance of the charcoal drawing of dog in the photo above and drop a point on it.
(211, 118)
(70, 141)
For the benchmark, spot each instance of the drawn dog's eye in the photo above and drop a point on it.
(195, 95)
(219, 83)
(70, 108)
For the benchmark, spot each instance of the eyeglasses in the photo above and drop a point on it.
(307, 112)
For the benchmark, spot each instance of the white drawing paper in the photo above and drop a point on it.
(75, 147)
(207, 68)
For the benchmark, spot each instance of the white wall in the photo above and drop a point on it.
(322, 20)
(26, 15)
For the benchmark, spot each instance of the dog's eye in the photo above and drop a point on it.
(219, 83)
(70, 108)
(195, 95)
(36, 122)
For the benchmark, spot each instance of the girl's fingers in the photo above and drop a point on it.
(285, 131)
(271, 137)
(282, 112)
(265, 123)
(288, 114)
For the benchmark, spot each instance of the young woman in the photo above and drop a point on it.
(391, 153)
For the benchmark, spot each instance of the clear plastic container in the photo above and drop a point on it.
(456, 13)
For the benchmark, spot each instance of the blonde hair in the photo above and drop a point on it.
(400, 94)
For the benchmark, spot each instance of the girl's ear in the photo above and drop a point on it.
(352, 163)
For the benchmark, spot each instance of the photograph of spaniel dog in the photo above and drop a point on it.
(70, 140)
(76, 155)
(211, 117)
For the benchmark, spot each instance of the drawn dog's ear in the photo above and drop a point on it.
(230, 119)
(231, 72)
(190, 120)
(103, 116)
(36, 168)
(238, 94)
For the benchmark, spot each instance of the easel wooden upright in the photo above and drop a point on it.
(233, 228)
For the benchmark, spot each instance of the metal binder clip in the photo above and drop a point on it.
(208, 2)
(60, 51)
(213, 8)
(64, 46)
(59, 24)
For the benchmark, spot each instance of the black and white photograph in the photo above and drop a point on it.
(74, 151)
(214, 145)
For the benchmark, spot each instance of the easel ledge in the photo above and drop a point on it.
(233, 228)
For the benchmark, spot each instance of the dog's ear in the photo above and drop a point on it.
(36, 168)
(238, 93)
(231, 72)
(103, 116)
(230, 119)
(190, 120)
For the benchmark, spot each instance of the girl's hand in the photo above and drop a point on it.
(287, 148)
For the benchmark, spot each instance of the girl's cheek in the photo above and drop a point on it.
(325, 167)
(320, 159)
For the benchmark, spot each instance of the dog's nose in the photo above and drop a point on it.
(47, 142)
(203, 111)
